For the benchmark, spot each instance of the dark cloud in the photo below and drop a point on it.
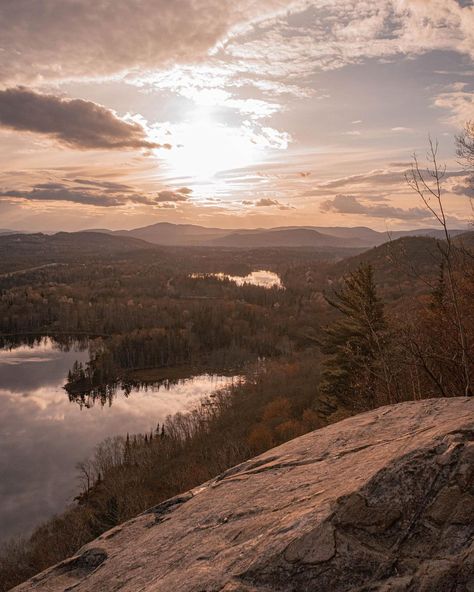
(74, 122)
(403, 165)
(350, 204)
(464, 187)
(169, 196)
(94, 195)
(266, 202)
(63, 194)
(185, 191)
(110, 186)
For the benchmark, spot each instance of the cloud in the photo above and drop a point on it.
(459, 102)
(349, 204)
(167, 205)
(169, 196)
(266, 202)
(58, 39)
(74, 122)
(402, 164)
(312, 36)
(85, 192)
(97, 193)
(107, 186)
(325, 35)
(463, 186)
(184, 190)
(377, 178)
(212, 85)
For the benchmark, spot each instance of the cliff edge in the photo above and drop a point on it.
(383, 501)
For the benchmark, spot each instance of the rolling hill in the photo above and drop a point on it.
(466, 240)
(407, 266)
(5, 231)
(20, 251)
(279, 237)
(165, 233)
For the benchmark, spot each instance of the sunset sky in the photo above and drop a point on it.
(230, 113)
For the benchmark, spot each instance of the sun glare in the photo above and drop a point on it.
(203, 147)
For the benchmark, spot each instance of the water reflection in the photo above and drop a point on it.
(106, 394)
(262, 278)
(43, 435)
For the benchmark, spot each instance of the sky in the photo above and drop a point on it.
(230, 113)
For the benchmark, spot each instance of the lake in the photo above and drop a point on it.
(262, 278)
(43, 435)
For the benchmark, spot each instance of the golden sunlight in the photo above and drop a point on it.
(203, 147)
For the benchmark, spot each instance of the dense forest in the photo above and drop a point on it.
(346, 332)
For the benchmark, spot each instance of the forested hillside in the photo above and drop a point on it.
(20, 252)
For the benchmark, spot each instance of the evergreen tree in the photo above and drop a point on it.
(356, 343)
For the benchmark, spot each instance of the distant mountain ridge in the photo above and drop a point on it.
(7, 231)
(191, 235)
(68, 240)
(166, 233)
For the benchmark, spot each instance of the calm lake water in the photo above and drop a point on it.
(262, 277)
(43, 435)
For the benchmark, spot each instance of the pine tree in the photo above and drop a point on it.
(356, 343)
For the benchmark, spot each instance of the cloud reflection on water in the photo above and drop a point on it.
(43, 435)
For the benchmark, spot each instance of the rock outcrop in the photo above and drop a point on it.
(383, 501)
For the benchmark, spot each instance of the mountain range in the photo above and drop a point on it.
(187, 235)
(165, 233)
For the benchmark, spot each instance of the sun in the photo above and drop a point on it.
(203, 147)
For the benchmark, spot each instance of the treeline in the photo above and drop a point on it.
(143, 314)
(218, 337)
(131, 293)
